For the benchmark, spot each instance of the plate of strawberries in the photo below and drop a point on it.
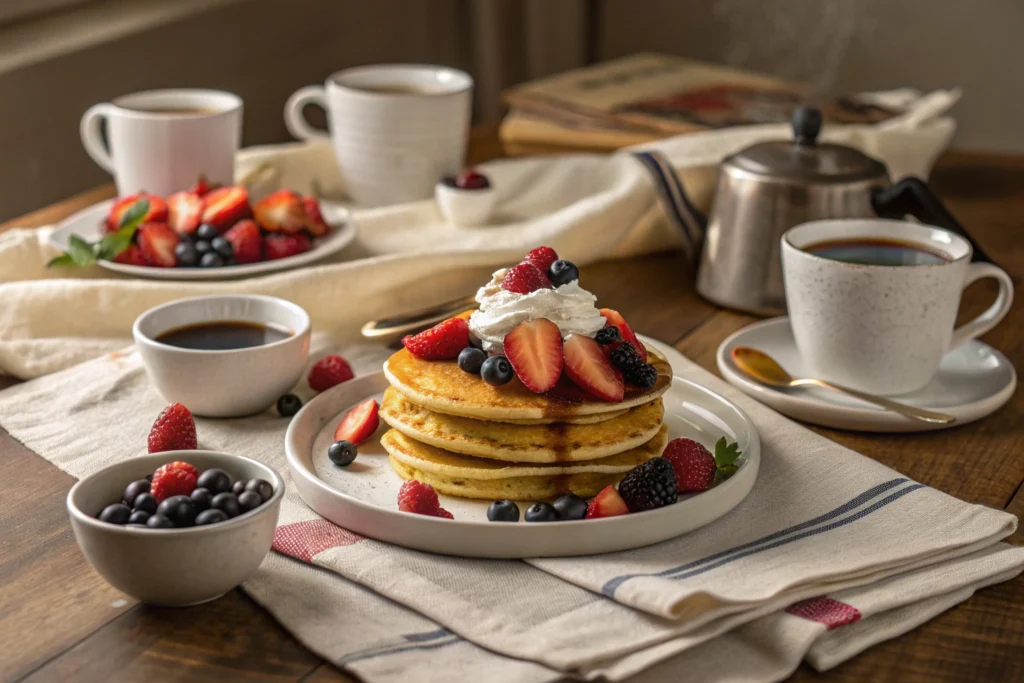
(203, 233)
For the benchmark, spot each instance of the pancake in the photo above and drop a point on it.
(572, 419)
(468, 477)
(522, 443)
(441, 387)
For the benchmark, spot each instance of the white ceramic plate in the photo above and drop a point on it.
(88, 224)
(973, 381)
(363, 496)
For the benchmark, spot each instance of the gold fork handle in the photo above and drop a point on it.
(901, 408)
(407, 323)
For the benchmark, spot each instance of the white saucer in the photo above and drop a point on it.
(88, 224)
(363, 496)
(973, 381)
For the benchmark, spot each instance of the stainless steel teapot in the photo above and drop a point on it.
(769, 187)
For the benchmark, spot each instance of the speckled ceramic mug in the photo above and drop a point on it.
(882, 329)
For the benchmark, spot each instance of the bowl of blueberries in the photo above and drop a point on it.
(177, 528)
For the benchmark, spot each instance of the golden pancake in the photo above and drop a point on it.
(522, 443)
(441, 387)
(468, 477)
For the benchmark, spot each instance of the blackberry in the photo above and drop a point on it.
(643, 376)
(649, 486)
(607, 335)
(626, 358)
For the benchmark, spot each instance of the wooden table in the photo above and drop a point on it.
(60, 621)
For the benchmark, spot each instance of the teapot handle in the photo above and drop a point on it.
(912, 196)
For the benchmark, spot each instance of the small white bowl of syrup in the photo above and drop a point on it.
(224, 356)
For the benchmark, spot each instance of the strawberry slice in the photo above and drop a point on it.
(359, 424)
(283, 246)
(202, 187)
(608, 503)
(225, 207)
(617, 321)
(246, 241)
(132, 256)
(281, 211)
(534, 348)
(443, 341)
(157, 212)
(184, 212)
(157, 242)
(315, 222)
(589, 367)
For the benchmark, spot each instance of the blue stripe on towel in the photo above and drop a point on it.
(431, 640)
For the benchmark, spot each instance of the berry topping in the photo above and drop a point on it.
(470, 179)
(246, 241)
(184, 212)
(649, 486)
(570, 506)
(626, 358)
(156, 213)
(206, 232)
(288, 405)
(179, 509)
(695, 468)
(616, 320)
(283, 246)
(118, 513)
(202, 187)
(315, 223)
(132, 256)
(471, 360)
(534, 348)
(169, 481)
(329, 371)
(417, 497)
(541, 512)
(225, 207)
(608, 503)
(503, 511)
(562, 273)
(542, 257)
(443, 341)
(157, 242)
(607, 335)
(359, 424)
(496, 371)
(214, 480)
(525, 278)
(342, 453)
(173, 430)
(588, 367)
(281, 211)
(644, 376)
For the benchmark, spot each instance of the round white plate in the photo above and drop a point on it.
(364, 496)
(88, 224)
(973, 381)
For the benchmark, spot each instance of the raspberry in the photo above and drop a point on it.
(441, 512)
(420, 498)
(173, 479)
(174, 430)
(443, 341)
(525, 278)
(542, 257)
(329, 371)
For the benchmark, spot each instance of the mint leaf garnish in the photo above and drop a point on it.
(81, 253)
(726, 453)
(133, 216)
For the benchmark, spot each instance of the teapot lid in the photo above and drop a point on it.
(803, 159)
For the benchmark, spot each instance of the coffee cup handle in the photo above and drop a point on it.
(995, 313)
(294, 119)
(91, 130)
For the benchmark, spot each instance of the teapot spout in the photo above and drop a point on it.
(678, 205)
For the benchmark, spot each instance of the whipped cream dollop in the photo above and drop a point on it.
(570, 307)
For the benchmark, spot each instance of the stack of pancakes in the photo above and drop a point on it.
(466, 438)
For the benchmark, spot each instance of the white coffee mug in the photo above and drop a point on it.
(161, 141)
(397, 129)
(882, 329)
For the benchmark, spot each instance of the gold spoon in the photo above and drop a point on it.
(764, 369)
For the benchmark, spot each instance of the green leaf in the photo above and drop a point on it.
(80, 251)
(724, 473)
(116, 242)
(133, 216)
(62, 261)
(726, 453)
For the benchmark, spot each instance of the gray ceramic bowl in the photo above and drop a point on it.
(175, 567)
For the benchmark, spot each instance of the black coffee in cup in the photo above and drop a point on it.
(877, 252)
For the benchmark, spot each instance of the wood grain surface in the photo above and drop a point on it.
(59, 621)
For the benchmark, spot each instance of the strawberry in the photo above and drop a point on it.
(359, 424)
(174, 430)
(185, 210)
(157, 210)
(525, 278)
(246, 241)
(587, 365)
(315, 222)
(132, 256)
(283, 246)
(202, 187)
(329, 371)
(281, 211)
(420, 498)
(443, 341)
(441, 512)
(618, 322)
(608, 503)
(542, 257)
(225, 206)
(157, 242)
(534, 348)
(695, 468)
(169, 480)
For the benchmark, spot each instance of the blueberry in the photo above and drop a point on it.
(159, 522)
(541, 512)
(496, 371)
(608, 335)
(186, 255)
(179, 509)
(222, 247)
(342, 453)
(139, 517)
(471, 359)
(288, 405)
(207, 232)
(570, 506)
(203, 247)
(562, 273)
(118, 513)
(134, 489)
(250, 500)
(261, 487)
(145, 502)
(211, 260)
(201, 499)
(211, 516)
(227, 502)
(214, 480)
(238, 488)
(503, 511)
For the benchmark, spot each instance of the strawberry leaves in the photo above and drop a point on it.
(726, 455)
(81, 253)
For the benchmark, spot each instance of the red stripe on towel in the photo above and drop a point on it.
(304, 540)
(826, 611)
